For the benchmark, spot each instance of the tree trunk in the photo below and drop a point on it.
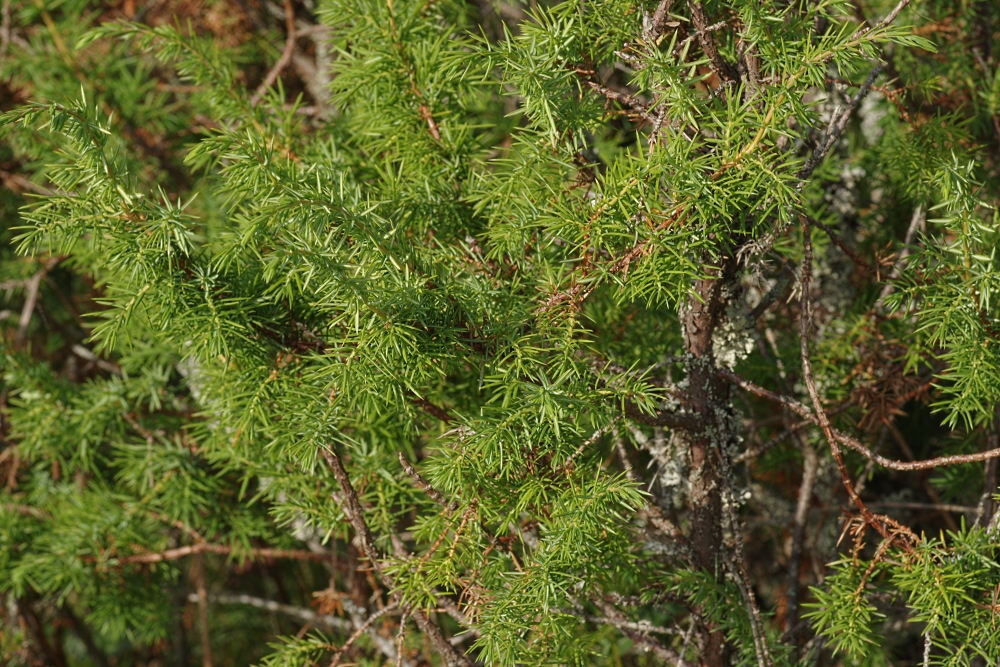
(708, 400)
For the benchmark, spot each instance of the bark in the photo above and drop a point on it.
(708, 400)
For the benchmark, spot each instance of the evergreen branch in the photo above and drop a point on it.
(884, 23)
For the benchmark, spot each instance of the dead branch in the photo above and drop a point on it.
(220, 549)
(889, 529)
(286, 55)
(844, 439)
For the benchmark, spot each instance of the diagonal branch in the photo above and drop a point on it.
(355, 515)
(637, 106)
(837, 126)
(286, 55)
(707, 41)
(435, 495)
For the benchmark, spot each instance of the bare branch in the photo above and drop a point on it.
(841, 438)
(889, 529)
(435, 495)
(203, 547)
(809, 468)
(916, 223)
(707, 41)
(659, 20)
(286, 55)
(837, 126)
(638, 107)
(355, 515)
(639, 638)
(362, 629)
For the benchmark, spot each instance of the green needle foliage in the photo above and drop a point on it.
(592, 332)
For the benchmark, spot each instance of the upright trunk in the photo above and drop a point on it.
(708, 399)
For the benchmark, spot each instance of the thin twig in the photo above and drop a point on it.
(29, 307)
(885, 526)
(707, 41)
(355, 515)
(916, 223)
(432, 409)
(890, 17)
(639, 638)
(638, 107)
(435, 495)
(837, 126)
(203, 548)
(809, 468)
(659, 20)
(362, 629)
(592, 440)
(286, 55)
(638, 626)
(844, 439)
(301, 613)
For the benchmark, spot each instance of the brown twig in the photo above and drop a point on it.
(639, 637)
(592, 440)
(886, 527)
(837, 125)
(286, 55)
(659, 19)
(362, 629)
(837, 241)
(355, 515)
(809, 468)
(844, 439)
(29, 307)
(435, 495)
(638, 107)
(890, 17)
(220, 549)
(432, 409)
(707, 41)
